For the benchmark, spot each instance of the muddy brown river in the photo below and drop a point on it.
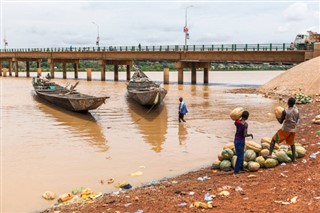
(47, 148)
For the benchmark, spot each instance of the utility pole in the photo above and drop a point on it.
(185, 29)
(98, 38)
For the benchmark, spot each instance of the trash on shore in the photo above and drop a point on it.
(182, 204)
(316, 120)
(203, 178)
(110, 180)
(224, 193)
(65, 197)
(201, 205)
(292, 200)
(314, 155)
(49, 195)
(138, 173)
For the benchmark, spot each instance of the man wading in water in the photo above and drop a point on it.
(290, 119)
(182, 110)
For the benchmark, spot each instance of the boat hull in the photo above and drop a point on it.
(76, 105)
(148, 97)
(67, 99)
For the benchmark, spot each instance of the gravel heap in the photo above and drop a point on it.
(304, 77)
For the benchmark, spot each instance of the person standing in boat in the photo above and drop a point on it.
(182, 110)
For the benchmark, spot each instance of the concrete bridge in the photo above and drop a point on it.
(191, 56)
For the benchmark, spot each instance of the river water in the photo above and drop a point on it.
(47, 148)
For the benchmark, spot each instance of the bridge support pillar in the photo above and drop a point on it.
(10, 68)
(205, 75)
(103, 72)
(4, 72)
(116, 72)
(75, 66)
(180, 75)
(51, 70)
(102, 64)
(28, 68)
(38, 64)
(193, 74)
(166, 75)
(16, 69)
(64, 70)
(128, 73)
(88, 74)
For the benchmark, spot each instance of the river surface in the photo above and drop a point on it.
(47, 148)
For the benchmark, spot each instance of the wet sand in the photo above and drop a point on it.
(48, 148)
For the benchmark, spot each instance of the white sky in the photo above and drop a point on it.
(64, 23)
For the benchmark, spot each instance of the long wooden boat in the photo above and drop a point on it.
(145, 91)
(66, 98)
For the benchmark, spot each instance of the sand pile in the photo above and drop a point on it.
(304, 77)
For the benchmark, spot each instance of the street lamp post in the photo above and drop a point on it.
(185, 29)
(98, 38)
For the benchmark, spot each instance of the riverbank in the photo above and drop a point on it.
(260, 191)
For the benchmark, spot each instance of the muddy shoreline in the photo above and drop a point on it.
(259, 194)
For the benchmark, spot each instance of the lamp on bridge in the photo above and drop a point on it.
(185, 29)
(98, 38)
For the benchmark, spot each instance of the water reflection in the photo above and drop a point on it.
(82, 125)
(152, 125)
(182, 134)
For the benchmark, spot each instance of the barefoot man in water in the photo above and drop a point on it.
(290, 119)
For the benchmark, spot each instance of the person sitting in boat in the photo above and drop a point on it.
(48, 77)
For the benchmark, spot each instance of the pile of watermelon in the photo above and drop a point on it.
(255, 156)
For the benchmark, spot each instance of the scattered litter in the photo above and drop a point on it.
(283, 175)
(65, 197)
(127, 204)
(282, 202)
(314, 155)
(304, 161)
(246, 198)
(191, 193)
(224, 193)
(238, 189)
(139, 211)
(136, 198)
(154, 183)
(134, 174)
(174, 182)
(283, 164)
(182, 204)
(123, 185)
(317, 198)
(49, 195)
(292, 200)
(78, 190)
(142, 167)
(252, 176)
(203, 178)
(110, 180)
(207, 197)
(318, 132)
(309, 179)
(116, 193)
(201, 205)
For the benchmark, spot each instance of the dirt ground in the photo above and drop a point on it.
(260, 189)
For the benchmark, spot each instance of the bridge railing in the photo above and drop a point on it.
(139, 48)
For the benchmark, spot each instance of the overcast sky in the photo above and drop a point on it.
(64, 23)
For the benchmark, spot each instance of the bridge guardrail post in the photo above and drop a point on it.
(284, 47)
(258, 47)
(246, 48)
(222, 47)
(270, 47)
